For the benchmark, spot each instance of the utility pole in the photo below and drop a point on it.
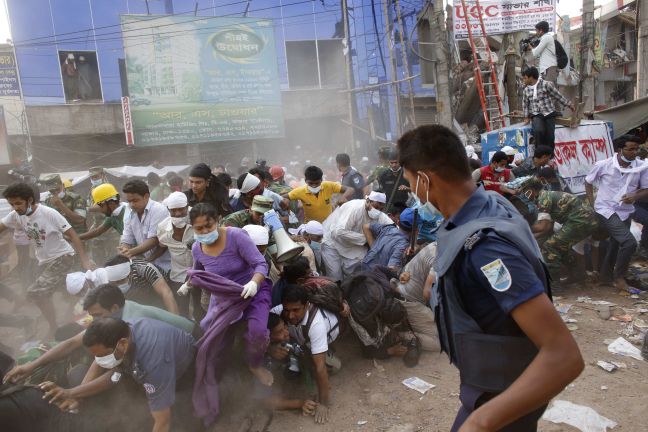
(441, 57)
(642, 61)
(392, 66)
(349, 71)
(586, 85)
(410, 92)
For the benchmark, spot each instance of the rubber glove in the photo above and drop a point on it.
(271, 218)
(184, 289)
(249, 289)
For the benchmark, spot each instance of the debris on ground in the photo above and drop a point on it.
(606, 366)
(581, 417)
(418, 384)
(625, 348)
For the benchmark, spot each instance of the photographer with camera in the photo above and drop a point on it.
(543, 49)
(283, 359)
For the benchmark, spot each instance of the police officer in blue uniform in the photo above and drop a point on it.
(156, 355)
(351, 178)
(492, 300)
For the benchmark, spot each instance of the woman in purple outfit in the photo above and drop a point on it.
(230, 253)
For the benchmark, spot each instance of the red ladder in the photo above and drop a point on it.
(488, 90)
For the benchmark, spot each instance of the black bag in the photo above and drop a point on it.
(561, 55)
(327, 297)
(369, 295)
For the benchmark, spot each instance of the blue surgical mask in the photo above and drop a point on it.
(96, 183)
(124, 287)
(315, 245)
(426, 209)
(208, 238)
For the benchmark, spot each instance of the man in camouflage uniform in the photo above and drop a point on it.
(381, 168)
(251, 216)
(574, 214)
(69, 204)
(103, 247)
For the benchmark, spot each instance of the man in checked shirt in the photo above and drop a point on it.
(539, 101)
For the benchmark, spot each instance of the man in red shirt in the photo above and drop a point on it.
(495, 175)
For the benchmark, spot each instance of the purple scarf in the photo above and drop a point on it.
(229, 309)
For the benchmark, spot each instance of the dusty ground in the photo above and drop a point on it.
(373, 393)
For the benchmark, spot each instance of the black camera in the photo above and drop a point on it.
(528, 42)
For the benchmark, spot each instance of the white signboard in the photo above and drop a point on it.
(578, 149)
(502, 16)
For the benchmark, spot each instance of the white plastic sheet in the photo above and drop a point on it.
(581, 417)
(625, 348)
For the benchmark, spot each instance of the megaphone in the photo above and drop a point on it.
(286, 247)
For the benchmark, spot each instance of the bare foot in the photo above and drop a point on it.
(263, 375)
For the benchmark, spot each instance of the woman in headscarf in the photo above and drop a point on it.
(206, 188)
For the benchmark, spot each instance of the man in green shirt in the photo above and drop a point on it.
(252, 216)
(69, 204)
(106, 198)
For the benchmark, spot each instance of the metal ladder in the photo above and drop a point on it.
(485, 79)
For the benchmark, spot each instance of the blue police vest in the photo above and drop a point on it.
(487, 362)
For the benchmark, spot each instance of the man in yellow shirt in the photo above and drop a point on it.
(316, 196)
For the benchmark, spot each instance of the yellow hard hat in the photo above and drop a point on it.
(67, 183)
(104, 192)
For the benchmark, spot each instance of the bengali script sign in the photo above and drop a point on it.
(9, 85)
(502, 16)
(193, 81)
(578, 149)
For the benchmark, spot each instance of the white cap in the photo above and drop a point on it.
(250, 183)
(377, 197)
(259, 234)
(118, 272)
(74, 282)
(510, 151)
(70, 56)
(314, 228)
(470, 150)
(176, 200)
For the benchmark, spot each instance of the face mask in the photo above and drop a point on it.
(373, 213)
(498, 169)
(315, 246)
(117, 210)
(426, 209)
(124, 287)
(29, 210)
(624, 159)
(109, 361)
(61, 194)
(208, 238)
(314, 190)
(96, 183)
(395, 170)
(179, 222)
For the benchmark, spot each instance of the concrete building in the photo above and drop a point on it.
(74, 128)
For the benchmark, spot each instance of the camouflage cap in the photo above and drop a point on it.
(52, 181)
(261, 204)
(96, 171)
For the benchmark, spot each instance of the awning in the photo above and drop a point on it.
(625, 117)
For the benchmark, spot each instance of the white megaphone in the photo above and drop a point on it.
(286, 247)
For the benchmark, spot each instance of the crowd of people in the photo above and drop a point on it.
(259, 277)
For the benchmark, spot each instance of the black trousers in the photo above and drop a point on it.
(544, 130)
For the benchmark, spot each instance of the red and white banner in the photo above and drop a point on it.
(578, 149)
(128, 121)
(502, 16)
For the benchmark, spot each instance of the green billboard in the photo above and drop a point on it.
(201, 79)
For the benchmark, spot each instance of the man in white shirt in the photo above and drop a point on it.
(315, 329)
(140, 229)
(45, 228)
(344, 244)
(545, 53)
(175, 234)
(621, 180)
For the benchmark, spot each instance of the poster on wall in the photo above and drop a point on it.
(9, 85)
(198, 80)
(4, 139)
(502, 16)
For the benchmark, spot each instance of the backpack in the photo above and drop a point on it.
(369, 297)
(325, 294)
(561, 55)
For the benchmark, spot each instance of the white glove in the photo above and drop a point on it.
(184, 289)
(249, 289)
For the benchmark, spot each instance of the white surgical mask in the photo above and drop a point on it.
(109, 361)
(61, 194)
(314, 190)
(96, 183)
(179, 222)
(373, 213)
(118, 210)
(29, 210)
(624, 159)
(499, 169)
(124, 287)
